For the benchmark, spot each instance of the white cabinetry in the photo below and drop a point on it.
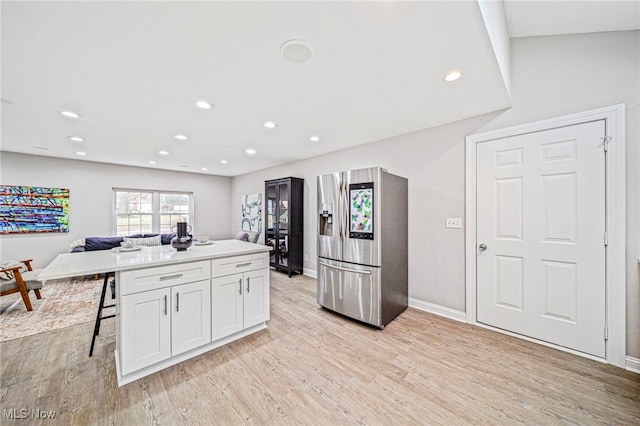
(146, 337)
(239, 301)
(190, 316)
(169, 313)
(163, 317)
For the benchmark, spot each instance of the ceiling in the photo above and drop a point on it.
(538, 18)
(134, 70)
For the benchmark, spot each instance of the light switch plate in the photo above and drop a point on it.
(454, 222)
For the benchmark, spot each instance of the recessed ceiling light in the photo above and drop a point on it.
(224, 162)
(296, 51)
(181, 137)
(452, 76)
(204, 104)
(270, 125)
(76, 138)
(314, 138)
(80, 153)
(163, 152)
(204, 169)
(250, 151)
(152, 162)
(70, 114)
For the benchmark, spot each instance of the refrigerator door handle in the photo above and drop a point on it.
(340, 268)
(339, 211)
(344, 217)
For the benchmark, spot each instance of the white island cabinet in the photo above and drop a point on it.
(168, 313)
(173, 305)
(165, 311)
(240, 294)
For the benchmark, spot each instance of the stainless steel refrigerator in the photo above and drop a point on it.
(362, 244)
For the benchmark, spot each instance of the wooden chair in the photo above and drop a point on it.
(22, 282)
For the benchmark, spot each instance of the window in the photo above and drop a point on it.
(150, 212)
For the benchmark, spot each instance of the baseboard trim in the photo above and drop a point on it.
(310, 273)
(442, 311)
(632, 364)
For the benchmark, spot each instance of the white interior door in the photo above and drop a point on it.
(541, 215)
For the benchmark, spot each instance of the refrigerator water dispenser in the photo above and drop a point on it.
(326, 219)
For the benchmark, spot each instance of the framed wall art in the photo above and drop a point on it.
(33, 209)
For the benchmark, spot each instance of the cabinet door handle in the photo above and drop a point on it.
(240, 286)
(170, 277)
(177, 302)
(165, 304)
(240, 265)
(248, 285)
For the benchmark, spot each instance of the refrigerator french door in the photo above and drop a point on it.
(362, 244)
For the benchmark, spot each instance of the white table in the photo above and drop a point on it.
(173, 305)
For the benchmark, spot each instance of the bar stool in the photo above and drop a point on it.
(99, 317)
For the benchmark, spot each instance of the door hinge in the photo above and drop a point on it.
(606, 333)
(605, 143)
(606, 238)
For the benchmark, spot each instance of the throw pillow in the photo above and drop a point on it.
(8, 275)
(147, 242)
(242, 236)
(76, 243)
(253, 236)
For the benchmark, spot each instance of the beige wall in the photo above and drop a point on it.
(551, 76)
(91, 186)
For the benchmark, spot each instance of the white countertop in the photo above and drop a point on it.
(68, 265)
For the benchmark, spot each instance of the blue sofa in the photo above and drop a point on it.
(107, 243)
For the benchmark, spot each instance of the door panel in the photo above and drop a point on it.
(272, 219)
(361, 251)
(559, 287)
(509, 208)
(256, 297)
(226, 306)
(147, 335)
(541, 214)
(329, 239)
(190, 320)
(351, 290)
(509, 282)
(559, 213)
(282, 243)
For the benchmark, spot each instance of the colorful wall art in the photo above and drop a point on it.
(31, 209)
(252, 212)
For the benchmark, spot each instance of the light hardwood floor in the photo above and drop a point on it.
(313, 367)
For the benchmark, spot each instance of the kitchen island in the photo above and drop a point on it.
(173, 305)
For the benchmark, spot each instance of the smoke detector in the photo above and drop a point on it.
(296, 51)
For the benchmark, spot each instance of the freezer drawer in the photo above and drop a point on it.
(351, 290)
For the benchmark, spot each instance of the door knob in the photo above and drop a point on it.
(482, 247)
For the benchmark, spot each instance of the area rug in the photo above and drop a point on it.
(64, 303)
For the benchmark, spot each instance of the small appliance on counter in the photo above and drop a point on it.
(362, 244)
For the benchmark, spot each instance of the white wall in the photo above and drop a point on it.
(551, 76)
(90, 202)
